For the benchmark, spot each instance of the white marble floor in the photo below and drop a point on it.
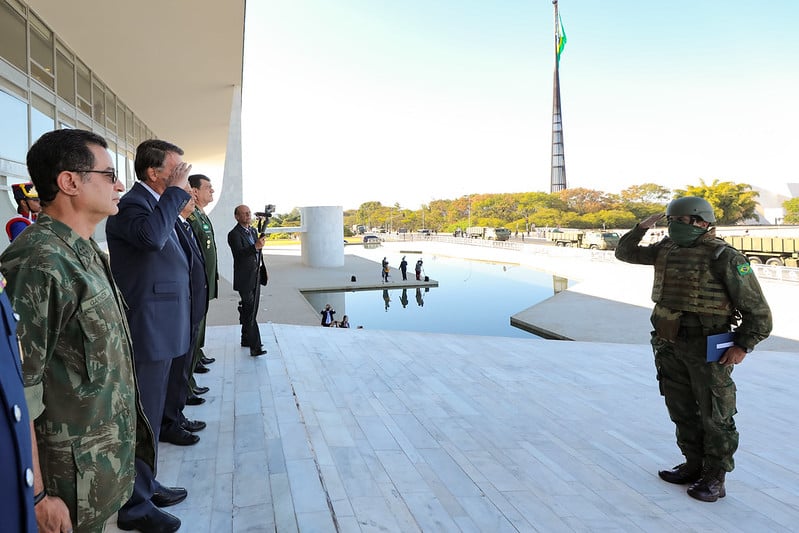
(358, 430)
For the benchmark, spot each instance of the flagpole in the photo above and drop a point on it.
(558, 168)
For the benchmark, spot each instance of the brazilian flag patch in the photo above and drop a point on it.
(744, 269)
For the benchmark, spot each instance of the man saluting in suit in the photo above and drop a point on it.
(246, 245)
(152, 269)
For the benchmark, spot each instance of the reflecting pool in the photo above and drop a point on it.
(473, 297)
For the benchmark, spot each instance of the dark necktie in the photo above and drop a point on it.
(189, 232)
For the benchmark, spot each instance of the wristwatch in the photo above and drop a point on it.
(747, 350)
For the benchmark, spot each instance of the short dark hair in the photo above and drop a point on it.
(195, 179)
(152, 154)
(57, 151)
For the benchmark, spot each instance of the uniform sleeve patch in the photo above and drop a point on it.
(744, 269)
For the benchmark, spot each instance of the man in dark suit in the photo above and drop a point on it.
(175, 427)
(246, 245)
(151, 268)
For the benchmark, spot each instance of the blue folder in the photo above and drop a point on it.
(718, 344)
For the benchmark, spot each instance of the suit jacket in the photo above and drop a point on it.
(151, 268)
(16, 497)
(197, 274)
(247, 260)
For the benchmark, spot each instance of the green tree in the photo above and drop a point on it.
(646, 193)
(582, 201)
(791, 208)
(367, 211)
(732, 202)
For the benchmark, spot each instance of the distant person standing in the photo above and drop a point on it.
(418, 270)
(327, 316)
(384, 270)
(345, 322)
(246, 245)
(404, 268)
(702, 287)
(28, 208)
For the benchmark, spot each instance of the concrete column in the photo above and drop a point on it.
(229, 189)
(322, 240)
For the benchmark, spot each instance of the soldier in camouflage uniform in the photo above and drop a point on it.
(702, 287)
(78, 369)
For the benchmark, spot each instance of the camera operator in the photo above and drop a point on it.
(249, 273)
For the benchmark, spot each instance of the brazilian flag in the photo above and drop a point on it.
(561, 38)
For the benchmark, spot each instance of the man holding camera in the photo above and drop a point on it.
(245, 245)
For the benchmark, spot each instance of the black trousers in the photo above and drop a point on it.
(248, 317)
(177, 388)
(152, 377)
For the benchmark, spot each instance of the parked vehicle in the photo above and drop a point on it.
(424, 231)
(777, 251)
(595, 240)
(491, 234)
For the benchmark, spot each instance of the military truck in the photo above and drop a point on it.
(776, 251)
(595, 240)
(491, 234)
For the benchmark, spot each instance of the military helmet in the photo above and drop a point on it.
(24, 191)
(691, 206)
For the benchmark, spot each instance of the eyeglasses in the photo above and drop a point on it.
(112, 174)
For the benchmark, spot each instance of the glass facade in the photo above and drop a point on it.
(44, 85)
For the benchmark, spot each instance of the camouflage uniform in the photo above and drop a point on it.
(699, 291)
(78, 370)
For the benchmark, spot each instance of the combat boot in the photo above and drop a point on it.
(687, 472)
(710, 487)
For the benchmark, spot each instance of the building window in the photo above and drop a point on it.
(42, 118)
(129, 126)
(14, 133)
(13, 44)
(131, 171)
(121, 122)
(137, 132)
(84, 88)
(65, 77)
(121, 167)
(98, 102)
(110, 111)
(42, 68)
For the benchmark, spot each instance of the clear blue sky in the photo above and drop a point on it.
(409, 101)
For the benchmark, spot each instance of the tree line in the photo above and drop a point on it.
(573, 208)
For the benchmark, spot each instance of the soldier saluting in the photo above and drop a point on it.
(702, 287)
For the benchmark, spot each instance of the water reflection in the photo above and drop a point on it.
(404, 298)
(472, 298)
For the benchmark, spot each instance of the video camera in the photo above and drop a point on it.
(263, 218)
